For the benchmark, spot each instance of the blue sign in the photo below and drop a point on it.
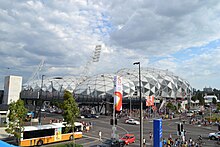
(158, 133)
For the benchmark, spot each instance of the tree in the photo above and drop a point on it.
(16, 117)
(214, 101)
(200, 98)
(171, 106)
(194, 98)
(71, 110)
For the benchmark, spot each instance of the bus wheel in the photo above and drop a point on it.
(71, 137)
(40, 142)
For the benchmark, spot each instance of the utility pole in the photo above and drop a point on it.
(141, 105)
(40, 98)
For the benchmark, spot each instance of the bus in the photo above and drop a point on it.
(49, 133)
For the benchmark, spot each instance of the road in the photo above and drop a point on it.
(102, 124)
(169, 128)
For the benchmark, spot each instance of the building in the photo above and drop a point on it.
(208, 90)
(12, 89)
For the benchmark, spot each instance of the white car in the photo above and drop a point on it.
(214, 136)
(132, 121)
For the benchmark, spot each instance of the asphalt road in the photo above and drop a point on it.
(91, 138)
(169, 128)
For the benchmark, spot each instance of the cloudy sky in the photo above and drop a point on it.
(181, 36)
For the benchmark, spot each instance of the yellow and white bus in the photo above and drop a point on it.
(50, 133)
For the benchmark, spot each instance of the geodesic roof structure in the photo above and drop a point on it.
(156, 82)
(149, 83)
(103, 84)
(54, 84)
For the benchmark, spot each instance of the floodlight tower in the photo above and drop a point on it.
(94, 59)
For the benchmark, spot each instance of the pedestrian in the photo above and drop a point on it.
(164, 142)
(100, 135)
(150, 136)
(144, 141)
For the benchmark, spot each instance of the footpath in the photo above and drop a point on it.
(3, 133)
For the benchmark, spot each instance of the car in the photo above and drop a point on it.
(59, 111)
(87, 115)
(214, 136)
(112, 143)
(190, 113)
(128, 138)
(132, 121)
(94, 116)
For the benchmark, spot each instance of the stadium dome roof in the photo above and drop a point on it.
(156, 82)
(103, 84)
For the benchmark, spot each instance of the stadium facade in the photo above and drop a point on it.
(154, 82)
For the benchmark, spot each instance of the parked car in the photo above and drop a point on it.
(112, 143)
(132, 121)
(59, 111)
(128, 138)
(94, 116)
(214, 136)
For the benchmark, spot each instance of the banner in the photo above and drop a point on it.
(118, 89)
(157, 124)
(58, 134)
(150, 101)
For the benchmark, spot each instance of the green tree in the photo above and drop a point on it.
(200, 98)
(171, 106)
(16, 117)
(71, 110)
(214, 101)
(218, 106)
(194, 98)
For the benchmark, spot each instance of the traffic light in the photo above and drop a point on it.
(179, 129)
(111, 121)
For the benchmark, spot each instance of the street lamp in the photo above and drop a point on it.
(40, 98)
(141, 105)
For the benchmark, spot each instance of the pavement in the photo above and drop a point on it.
(3, 133)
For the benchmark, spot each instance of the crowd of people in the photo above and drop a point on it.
(177, 142)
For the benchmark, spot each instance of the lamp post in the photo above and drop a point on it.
(141, 105)
(40, 98)
(52, 88)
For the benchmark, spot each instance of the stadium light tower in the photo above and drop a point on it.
(141, 105)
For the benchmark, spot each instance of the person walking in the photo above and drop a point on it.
(100, 135)
(150, 136)
(144, 141)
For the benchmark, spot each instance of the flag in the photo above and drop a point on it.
(118, 93)
(150, 101)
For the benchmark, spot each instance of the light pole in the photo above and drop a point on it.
(52, 88)
(141, 105)
(40, 98)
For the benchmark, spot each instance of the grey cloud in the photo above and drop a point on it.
(171, 25)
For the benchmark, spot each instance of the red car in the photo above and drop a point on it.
(128, 138)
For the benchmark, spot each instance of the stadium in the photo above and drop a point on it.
(97, 90)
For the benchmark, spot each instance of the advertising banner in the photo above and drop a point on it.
(150, 101)
(157, 133)
(57, 134)
(118, 89)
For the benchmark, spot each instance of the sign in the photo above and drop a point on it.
(158, 133)
(57, 134)
(118, 89)
(150, 101)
